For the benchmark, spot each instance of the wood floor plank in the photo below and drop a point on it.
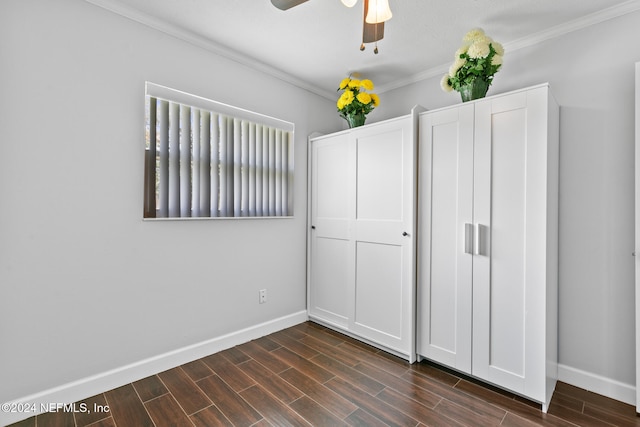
(506, 401)
(418, 411)
(603, 402)
(273, 410)
(570, 402)
(470, 415)
(435, 373)
(512, 420)
(396, 366)
(409, 390)
(263, 423)
(29, 422)
(234, 407)
(59, 418)
(363, 381)
(295, 332)
(97, 409)
(126, 407)
(210, 416)
(229, 372)
(301, 328)
(165, 412)
(491, 392)
(330, 350)
(539, 419)
(303, 365)
(150, 388)
(277, 386)
(267, 343)
(319, 393)
(362, 418)
(315, 414)
(253, 350)
(319, 333)
(294, 345)
(350, 340)
(464, 400)
(576, 417)
(618, 419)
(373, 405)
(107, 422)
(197, 370)
(184, 390)
(235, 355)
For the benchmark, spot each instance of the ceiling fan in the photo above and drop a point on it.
(376, 12)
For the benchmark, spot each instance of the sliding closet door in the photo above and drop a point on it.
(384, 235)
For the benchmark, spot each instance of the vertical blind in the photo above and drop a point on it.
(215, 162)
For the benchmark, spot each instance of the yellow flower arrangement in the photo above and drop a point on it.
(354, 104)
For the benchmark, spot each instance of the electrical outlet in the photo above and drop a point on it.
(262, 296)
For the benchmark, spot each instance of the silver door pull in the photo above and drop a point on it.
(468, 238)
(480, 239)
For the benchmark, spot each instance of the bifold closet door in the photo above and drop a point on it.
(332, 208)
(384, 235)
(446, 236)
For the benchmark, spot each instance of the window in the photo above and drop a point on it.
(206, 159)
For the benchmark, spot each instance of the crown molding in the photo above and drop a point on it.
(211, 46)
(136, 15)
(550, 33)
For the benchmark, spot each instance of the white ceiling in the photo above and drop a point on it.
(316, 44)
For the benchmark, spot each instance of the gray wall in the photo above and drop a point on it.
(86, 284)
(591, 74)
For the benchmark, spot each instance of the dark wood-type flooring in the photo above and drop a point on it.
(310, 375)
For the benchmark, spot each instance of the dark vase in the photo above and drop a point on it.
(355, 120)
(474, 90)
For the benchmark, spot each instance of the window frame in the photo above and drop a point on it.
(240, 119)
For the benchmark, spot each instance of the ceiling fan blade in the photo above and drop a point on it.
(286, 4)
(371, 32)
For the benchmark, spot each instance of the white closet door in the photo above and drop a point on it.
(331, 248)
(446, 233)
(509, 268)
(384, 235)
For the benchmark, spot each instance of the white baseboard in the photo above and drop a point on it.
(598, 384)
(90, 386)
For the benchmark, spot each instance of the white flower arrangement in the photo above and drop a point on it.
(480, 57)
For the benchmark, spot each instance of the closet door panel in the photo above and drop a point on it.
(384, 235)
(444, 268)
(379, 304)
(330, 275)
(500, 266)
(507, 266)
(380, 176)
(331, 249)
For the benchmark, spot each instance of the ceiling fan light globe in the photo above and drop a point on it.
(349, 3)
(379, 11)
